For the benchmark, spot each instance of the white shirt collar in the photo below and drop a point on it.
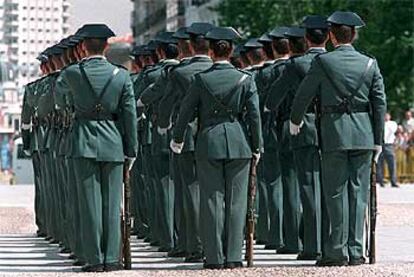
(345, 44)
(94, 57)
(222, 62)
(258, 65)
(186, 58)
(170, 61)
(317, 48)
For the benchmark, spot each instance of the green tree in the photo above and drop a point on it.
(388, 34)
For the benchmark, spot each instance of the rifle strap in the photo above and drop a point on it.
(345, 91)
(223, 107)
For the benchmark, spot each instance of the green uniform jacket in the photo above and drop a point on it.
(104, 140)
(179, 81)
(344, 131)
(46, 108)
(150, 97)
(226, 102)
(285, 89)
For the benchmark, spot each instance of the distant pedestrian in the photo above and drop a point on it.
(388, 152)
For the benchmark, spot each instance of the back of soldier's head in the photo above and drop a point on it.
(317, 36)
(281, 46)
(343, 33)
(95, 46)
(199, 44)
(297, 45)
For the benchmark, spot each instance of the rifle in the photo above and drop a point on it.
(372, 213)
(126, 221)
(251, 215)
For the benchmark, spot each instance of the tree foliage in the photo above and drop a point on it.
(388, 34)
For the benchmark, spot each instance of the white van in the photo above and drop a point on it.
(22, 165)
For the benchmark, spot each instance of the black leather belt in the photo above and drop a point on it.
(345, 108)
(97, 117)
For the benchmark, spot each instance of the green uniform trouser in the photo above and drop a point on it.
(77, 221)
(165, 203)
(223, 199)
(139, 194)
(346, 179)
(291, 202)
(179, 211)
(150, 183)
(262, 226)
(100, 185)
(46, 204)
(273, 179)
(191, 201)
(308, 169)
(39, 211)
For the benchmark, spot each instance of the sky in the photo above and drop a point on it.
(115, 13)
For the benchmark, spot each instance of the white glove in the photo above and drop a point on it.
(256, 157)
(140, 104)
(130, 162)
(294, 129)
(378, 151)
(27, 152)
(162, 131)
(176, 147)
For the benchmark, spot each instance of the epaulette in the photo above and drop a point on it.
(366, 54)
(120, 66)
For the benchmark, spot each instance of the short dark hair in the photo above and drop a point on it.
(257, 55)
(199, 44)
(297, 45)
(237, 62)
(317, 36)
(343, 34)
(221, 48)
(184, 46)
(281, 46)
(268, 49)
(170, 50)
(95, 45)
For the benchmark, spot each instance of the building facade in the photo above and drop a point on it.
(152, 16)
(29, 26)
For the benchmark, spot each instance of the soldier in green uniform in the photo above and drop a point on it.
(256, 56)
(271, 135)
(180, 79)
(46, 112)
(149, 61)
(104, 145)
(350, 89)
(29, 131)
(139, 189)
(305, 145)
(154, 87)
(226, 102)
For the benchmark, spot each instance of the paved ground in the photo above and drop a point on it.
(22, 254)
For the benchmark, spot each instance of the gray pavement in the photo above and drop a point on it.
(25, 254)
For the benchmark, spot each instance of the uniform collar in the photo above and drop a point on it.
(257, 66)
(316, 50)
(346, 47)
(201, 56)
(170, 61)
(94, 57)
(223, 64)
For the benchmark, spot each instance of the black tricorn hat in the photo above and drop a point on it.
(278, 32)
(181, 33)
(165, 37)
(100, 31)
(346, 18)
(54, 50)
(315, 22)
(264, 38)
(253, 43)
(200, 28)
(295, 32)
(223, 33)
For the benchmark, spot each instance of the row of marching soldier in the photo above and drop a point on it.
(188, 122)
